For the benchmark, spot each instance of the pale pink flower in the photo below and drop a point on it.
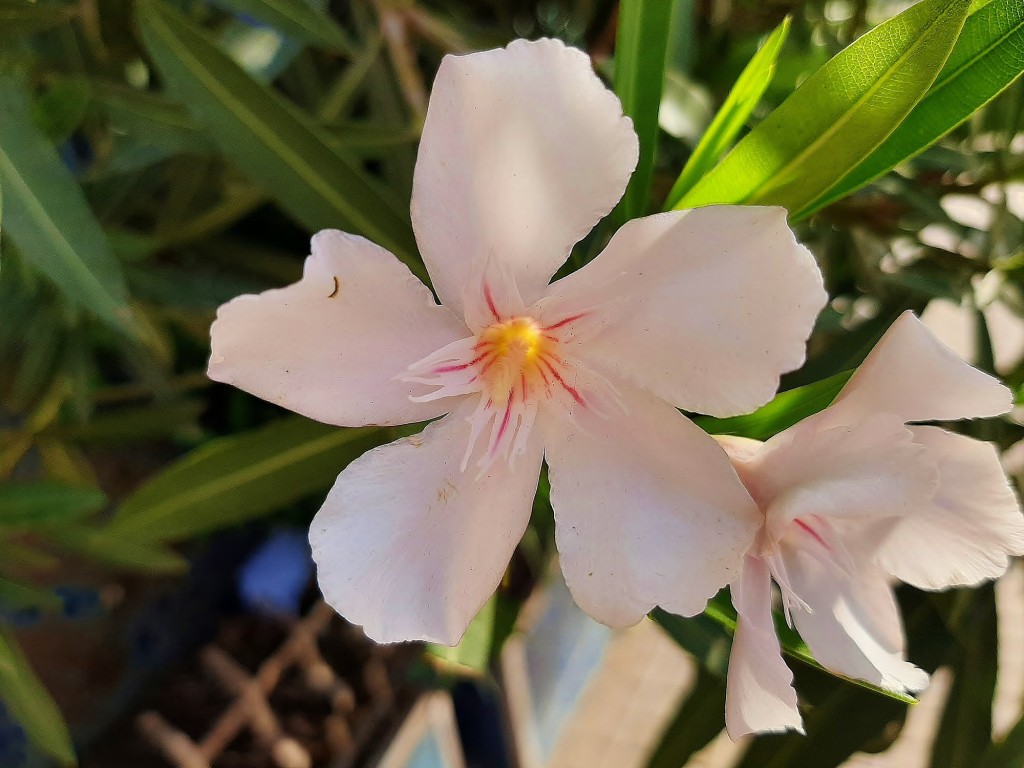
(523, 152)
(853, 499)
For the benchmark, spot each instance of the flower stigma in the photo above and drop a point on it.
(515, 363)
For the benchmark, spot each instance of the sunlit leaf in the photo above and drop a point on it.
(839, 115)
(640, 46)
(987, 58)
(781, 413)
(730, 119)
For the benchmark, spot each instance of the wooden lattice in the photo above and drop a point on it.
(352, 719)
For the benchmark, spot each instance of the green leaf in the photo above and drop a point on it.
(44, 503)
(31, 705)
(62, 108)
(120, 551)
(640, 47)
(131, 423)
(731, 118)
(987, 58)
(48, 218)
(296, 19)
(269, 138)
(1008, 752)
(781, 413)
(965, 731)
(18, 18)
(839, 115)
(241, 477)
(473, 653)
(15, 595)
(150, 118)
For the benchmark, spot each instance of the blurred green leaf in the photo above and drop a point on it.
(839, 115)
(31, 705)
(987, 58)
(269, 138)
(640, 46)
(62, 108)
(296, 19)
(1008, 752)
(965, 731)
(701, 636)
(731, 118)
(132, 423)
(150, 118)
(15, 595)
(237, 478)
(48, 218)
(781, 413)
(19, 18)
(44, 503)
(699, 719)
(115, 549)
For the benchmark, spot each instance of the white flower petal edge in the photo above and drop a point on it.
(852, 497)
(913, 375)
(410, 546)
(972, 525)
(329, 346)
(648, 510)
(706, 308)
(523, 151)
(759, 695)
(852, 623)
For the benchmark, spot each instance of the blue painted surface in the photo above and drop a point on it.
(563, 653)
(278, 572)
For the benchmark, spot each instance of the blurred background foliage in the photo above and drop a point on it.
(159, 157)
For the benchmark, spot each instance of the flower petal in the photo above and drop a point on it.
(409, 546)
(913, 375)
(523, 151)
(329, 346)
(854, 627)
(706, 308)
(648, 510)
(759, 695)
(972, 525)
(870, 470)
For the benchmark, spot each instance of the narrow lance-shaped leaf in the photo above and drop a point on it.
(987, 58)
(47, 216)
(43, 503)
(241, 477)
(30, 703)
(729, 120)
(295, 18)
(640, 47)
(839, 115)
(270, 139)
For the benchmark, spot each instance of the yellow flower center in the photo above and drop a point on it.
(513, 355)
